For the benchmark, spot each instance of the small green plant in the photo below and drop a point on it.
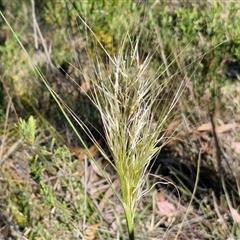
(28, 130)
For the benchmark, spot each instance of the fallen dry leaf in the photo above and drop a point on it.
(85, 86)
(165, 208)
(90, 232)
(219, 129)
(83, 154)
(172, 142)
(108, 194)
(80, 153)
(205, 127)
(235, 215)
(171, 127)
(222, 231)
(236, 146)
(160, 197)
(226, 127)
(237, 117)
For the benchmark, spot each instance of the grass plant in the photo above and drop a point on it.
(128, 99)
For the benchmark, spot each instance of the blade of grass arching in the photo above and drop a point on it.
(60, 104)
(192, 195)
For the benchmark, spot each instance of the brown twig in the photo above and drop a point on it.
(219, 160)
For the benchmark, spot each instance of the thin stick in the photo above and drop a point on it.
(219, 161)
(34, 25)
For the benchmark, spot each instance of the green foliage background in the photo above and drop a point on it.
(185, 30)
